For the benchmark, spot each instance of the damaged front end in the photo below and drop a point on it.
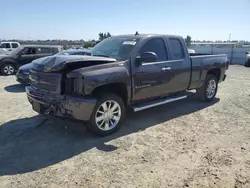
(60, 105)
(49, 93)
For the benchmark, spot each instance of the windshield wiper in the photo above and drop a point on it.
(101, 55)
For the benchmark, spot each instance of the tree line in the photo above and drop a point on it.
(91, 43)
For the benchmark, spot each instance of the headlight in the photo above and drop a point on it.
(74, 86)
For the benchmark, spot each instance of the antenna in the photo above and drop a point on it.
(136, 33)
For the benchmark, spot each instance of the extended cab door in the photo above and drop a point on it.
(150, 78)
(180, 64)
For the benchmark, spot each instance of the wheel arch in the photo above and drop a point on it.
(216, 72)
(118, 88)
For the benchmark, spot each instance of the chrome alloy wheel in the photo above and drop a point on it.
(211, 89)
(108, 115)
(8, 69)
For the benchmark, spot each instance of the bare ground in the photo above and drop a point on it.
(183, 144)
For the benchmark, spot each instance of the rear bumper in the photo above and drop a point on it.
(60, 105)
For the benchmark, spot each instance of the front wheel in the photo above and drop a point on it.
(8, 69)
(208, 91)
(107, 115)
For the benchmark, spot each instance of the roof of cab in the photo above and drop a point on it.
(139, 36)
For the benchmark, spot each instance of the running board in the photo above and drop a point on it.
(157, 103)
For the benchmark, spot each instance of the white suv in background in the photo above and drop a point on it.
(8, 46)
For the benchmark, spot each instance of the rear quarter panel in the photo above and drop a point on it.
(202, 64)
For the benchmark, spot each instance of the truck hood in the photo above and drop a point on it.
(71, 62)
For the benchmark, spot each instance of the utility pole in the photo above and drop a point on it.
(229, 39)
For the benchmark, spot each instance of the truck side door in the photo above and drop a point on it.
(149, 78)
(180, 65)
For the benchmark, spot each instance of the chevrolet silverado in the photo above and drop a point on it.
(127, 71)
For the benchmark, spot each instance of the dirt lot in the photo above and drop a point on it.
(183, 144)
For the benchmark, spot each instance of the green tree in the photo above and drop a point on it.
(108, 34)
(188, 40)
(101, 36)
(104, 36)
(88, 44)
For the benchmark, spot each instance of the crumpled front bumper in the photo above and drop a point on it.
(60, 105)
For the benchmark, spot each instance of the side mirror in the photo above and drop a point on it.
(146, 57)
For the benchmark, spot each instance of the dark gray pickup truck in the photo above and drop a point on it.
(136, 71)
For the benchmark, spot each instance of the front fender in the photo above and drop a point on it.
(94, 78)
(98, 78)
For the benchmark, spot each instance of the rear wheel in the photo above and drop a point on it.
(209, 90)
(107, 115)
(8, 69)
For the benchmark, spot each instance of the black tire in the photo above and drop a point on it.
(92, 124)
(202, 92)
(247, 64)
(8, 69)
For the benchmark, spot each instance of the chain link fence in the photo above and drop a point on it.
(236, 55)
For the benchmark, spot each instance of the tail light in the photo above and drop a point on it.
(227, 64)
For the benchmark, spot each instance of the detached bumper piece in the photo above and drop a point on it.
(60, 105)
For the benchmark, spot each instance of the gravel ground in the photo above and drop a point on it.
(182, 144)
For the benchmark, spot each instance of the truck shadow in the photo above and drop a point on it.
(16, 88)
(34, 143)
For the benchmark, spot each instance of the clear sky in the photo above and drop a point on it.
(81, 19)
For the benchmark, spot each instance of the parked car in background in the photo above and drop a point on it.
(10, 62)
(8, 46)
(127, 71)
(22, 75)
(247, 63)
(191, 51)
(74, 52)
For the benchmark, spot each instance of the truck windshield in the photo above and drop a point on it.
(115, 47)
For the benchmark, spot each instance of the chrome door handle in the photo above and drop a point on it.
(166, 68)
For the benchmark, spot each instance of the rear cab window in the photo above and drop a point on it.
(157, 46)
(177, 51)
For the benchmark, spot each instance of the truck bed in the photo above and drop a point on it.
(201, 63)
